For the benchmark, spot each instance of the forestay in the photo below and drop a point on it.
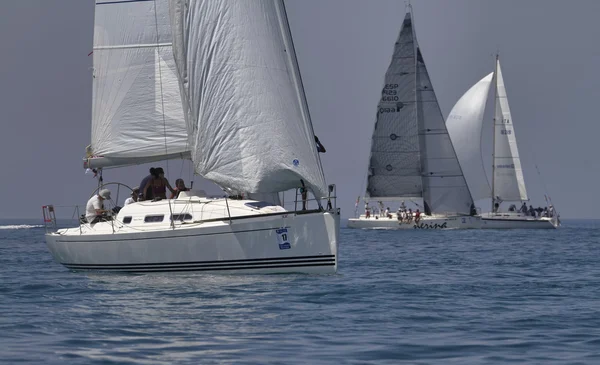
(411, 151)
(465, 124)
(509, 184)
(246, 111)
(137, 113)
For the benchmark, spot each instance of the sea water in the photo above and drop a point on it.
(414, 297)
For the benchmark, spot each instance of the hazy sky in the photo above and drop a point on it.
(549, 54)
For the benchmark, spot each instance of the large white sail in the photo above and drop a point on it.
(137, 114)
(508, 184)
(249, 124)
(411, 152)
(465, 124)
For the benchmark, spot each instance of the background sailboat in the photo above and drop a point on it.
(412, 156)
(508, 191)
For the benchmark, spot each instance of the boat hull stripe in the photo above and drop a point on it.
(208, 268)
(244, 261)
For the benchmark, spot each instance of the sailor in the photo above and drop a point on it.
(409, 215)
(145, 182)
(304, 193)
(387, 213)
(531, 211)
(367, 211)
(523, 208)
(399, 215)
(179, 187)
(402, 206)
(417, 216)
(134, 196)
(94, 209)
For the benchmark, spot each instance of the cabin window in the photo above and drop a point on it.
(127, 220)
(181, 217)
(258, 205)
(154, 218)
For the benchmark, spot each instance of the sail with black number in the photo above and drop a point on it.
(412, 155)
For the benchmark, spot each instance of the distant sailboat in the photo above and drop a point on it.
(217, 82)
(465, 123)
(412, 156)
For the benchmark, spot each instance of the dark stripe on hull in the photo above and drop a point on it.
(268, 263)
(514, 220)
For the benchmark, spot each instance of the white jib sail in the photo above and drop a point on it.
(250, 128)
(465, 124)
(137, 114)
(509, 184)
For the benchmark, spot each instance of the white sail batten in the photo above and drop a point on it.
(246, 113)
(509, 183)
(137, 114)
(465, 124)
(411, 152)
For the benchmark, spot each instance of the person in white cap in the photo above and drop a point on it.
(95, 206)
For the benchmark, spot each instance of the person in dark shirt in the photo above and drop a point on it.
(144, 183)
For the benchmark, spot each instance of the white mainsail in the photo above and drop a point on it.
(411, 152)
(137, 115)
(465, 124)
(245, 107)
(508, 184)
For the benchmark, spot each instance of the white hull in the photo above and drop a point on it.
(517, 221)
(285, 242)
(431, 222)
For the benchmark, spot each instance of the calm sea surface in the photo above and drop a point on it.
(414, 297)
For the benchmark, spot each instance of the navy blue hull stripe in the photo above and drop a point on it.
(210, 268)
(217, 262)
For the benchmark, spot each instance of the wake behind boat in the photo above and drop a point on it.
(412, 156)
(173, 80)
(465, 123)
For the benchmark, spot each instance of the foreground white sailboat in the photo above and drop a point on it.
(412, 156)
(465, 123)
(234, 104)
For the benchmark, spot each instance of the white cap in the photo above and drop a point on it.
(105, 194)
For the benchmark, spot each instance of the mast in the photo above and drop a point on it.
(494, 133)
(415, 50)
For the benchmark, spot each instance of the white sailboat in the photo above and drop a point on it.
(412, 156)
(508, 192)
(225, 91)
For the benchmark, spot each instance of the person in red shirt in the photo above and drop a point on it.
(417, 216)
